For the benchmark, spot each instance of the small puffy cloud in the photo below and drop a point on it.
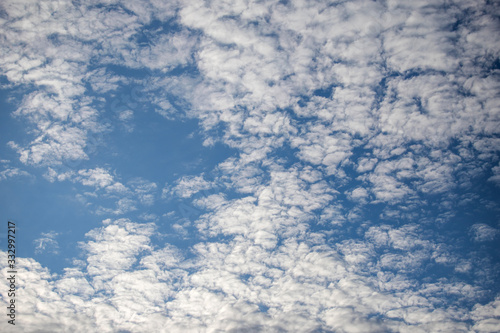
(117, 187)
(482, 232)
(189, 185)
(126, 115)
(366, 164)
(358, 194)
(13, 173)
(98, 177)
(47, 243)
(122, 206)
(144, 190)
(496, 175)
(52, 175)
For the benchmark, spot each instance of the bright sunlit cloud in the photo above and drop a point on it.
(212, 166)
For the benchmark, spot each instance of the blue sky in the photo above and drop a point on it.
(212, 166)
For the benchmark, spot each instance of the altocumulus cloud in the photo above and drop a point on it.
(361, 190)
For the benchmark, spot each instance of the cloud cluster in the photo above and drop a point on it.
(124, 282)
(361, 129)
(105, 185)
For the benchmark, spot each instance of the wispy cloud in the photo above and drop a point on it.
(12, 173)
(47, 243)
(481, 232)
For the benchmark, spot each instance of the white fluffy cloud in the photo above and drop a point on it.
(188, 185)
(350, 121)
(481, 232)
(127, 283)
(13, 172)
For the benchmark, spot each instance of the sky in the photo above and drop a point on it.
(251, 166)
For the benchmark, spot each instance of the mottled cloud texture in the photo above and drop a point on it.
(366, 146)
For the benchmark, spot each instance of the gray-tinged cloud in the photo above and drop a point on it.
(13, 173)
